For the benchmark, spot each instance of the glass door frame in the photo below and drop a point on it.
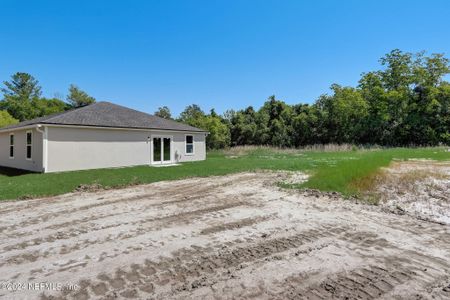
(161, 161)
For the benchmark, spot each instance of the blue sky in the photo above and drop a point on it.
(221, 54)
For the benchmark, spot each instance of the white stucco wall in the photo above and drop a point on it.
(92, 148)
(20, 151)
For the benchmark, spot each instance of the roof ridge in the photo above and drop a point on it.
(148, 114)
(138, 111)
(129, 108)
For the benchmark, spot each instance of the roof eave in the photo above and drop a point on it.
(20, 128)
(198, 130)
(109, 127)
(121, 128)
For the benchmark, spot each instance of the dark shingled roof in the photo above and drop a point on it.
(105, 114)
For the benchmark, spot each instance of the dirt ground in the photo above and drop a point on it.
(236, 236)
(419, 188)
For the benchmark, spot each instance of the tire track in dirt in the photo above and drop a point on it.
(369, 282)
(162, 222)
(177, 187)
(189, 272)
(235, 225)
(156, 196)
(189, 269)
(67, 199)
(83, 227)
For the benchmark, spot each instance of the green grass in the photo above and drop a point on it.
(350, 176)
(331, 171)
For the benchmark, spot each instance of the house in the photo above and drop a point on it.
(100, 135)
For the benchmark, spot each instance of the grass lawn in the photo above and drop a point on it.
(344, 172)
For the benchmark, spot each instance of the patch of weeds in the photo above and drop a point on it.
(289, 186)
(366, 185)
(415, 175)
(26, 197)
(370, 198)
(135, 181)
(94, 187)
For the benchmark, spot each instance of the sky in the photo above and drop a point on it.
(217, 54)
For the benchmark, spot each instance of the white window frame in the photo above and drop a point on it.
(12, 145)
(185, 145)
(29, 145)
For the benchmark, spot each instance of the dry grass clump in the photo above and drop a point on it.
(403, 181)
(330, 147)
(398, 179)
(246, 149)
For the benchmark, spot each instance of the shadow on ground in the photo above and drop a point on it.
(11, 172)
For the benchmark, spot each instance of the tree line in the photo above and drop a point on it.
(22, 100)
(406, 102)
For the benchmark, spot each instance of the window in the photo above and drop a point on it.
(11, 146)
(29, 143)
(189, 144)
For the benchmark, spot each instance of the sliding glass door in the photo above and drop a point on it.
(162, 152)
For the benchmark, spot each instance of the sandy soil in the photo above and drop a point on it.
(419, 188)
(236, 236)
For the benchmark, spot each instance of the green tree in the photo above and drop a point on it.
(429, 103)
(219, 133)
(163, 112)
(279, 122)
(18, 96)
(442, 116)
(376, 124)
(6, 119)
(403, 108)
(45, 107)
(192, 115)
(350, 112)
(398, 71)
(430, 71)
(78, 97)
(243, 127)
(305, 125)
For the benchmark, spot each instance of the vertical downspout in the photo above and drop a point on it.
(44, 147)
